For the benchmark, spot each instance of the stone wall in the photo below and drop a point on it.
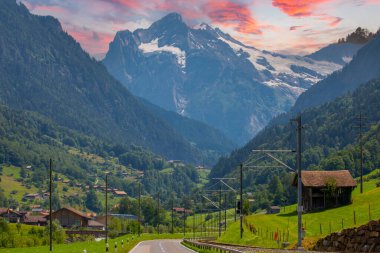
(365, 238)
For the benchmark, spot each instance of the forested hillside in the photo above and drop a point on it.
(43, 69)
(330, 139)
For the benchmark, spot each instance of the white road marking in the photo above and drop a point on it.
(161, 247)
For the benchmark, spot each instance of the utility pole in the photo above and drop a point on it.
(360, 118)
(225, 211)
(220, 210)
(235, 204)
(50, 206)
(241, 201)
(139, 221)
(184, 221)
(107, 212)
(158, 212)
(299, 172)
(172, 216)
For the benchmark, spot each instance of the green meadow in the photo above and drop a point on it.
(365, 207)
(94, 247)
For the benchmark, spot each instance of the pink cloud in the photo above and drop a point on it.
(296, 27)
(231, 14)
(297, 8)
(91, 41)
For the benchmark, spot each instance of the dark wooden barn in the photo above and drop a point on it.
(69, 217)
(325, 189)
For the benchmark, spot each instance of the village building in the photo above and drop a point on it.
(120, 193)
(11, 216)
(35, 220)
(324, 189)
(69, 217)
(273, 209)
(182, 210)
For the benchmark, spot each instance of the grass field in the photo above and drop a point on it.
(9, 183)
(94, 247)
(317, 224)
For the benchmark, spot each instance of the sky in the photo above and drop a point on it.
(285, 26)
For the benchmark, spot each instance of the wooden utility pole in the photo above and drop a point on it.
(360, 126)
(241, 201)
(139, 221)
(50, 205)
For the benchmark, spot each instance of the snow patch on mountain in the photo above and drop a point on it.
(152, 47)
(346, 59)
(280, 66)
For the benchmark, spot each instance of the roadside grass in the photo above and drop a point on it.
(317, 224)
(130, 241)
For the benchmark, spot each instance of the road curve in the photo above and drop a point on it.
(161, 246)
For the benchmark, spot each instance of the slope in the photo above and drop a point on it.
(205, 74)
(340, 53)
(364, 66)
(317, 224)
(43, 69)
(199, 133)
(329, 129)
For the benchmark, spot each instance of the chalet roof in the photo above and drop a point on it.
(34, 219)
(120, 193)
(79, 213)
(343, 178)
(93, 223)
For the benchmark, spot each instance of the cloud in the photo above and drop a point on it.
(332, 21)
(231, 14)
(293, 28)
(297, 8)
(91, 41)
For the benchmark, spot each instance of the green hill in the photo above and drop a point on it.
(366, 207)
(330, 142)
(43, 69)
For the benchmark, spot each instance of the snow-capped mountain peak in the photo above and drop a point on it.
(206, 74)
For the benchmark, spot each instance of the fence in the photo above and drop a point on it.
(207, 246)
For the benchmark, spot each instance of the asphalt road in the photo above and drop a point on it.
(161, 246)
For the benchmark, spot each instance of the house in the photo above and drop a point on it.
(93, 224)
(36, 220)
(11, 215)
(181, 210)
(69, 217)
(32, 196)
(273, 209)
(120, 193)
(323, 189)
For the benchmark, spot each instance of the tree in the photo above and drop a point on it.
(59, 234)
(92, 202)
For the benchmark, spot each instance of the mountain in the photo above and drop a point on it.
(343, 51)
(330, 141)
(43, 69)
(330, 130)
(339, 53)
(364, 66)
(207, 75)
(196, 132)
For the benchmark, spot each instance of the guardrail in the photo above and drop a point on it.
(202, 245)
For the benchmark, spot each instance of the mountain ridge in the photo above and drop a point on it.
(45, 70)
(209, 76)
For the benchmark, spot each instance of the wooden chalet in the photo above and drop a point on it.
(182, 210)
(12, 216)
(273, 209)
(316, 193)
(69, 217)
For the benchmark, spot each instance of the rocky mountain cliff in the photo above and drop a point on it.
(207, 75)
